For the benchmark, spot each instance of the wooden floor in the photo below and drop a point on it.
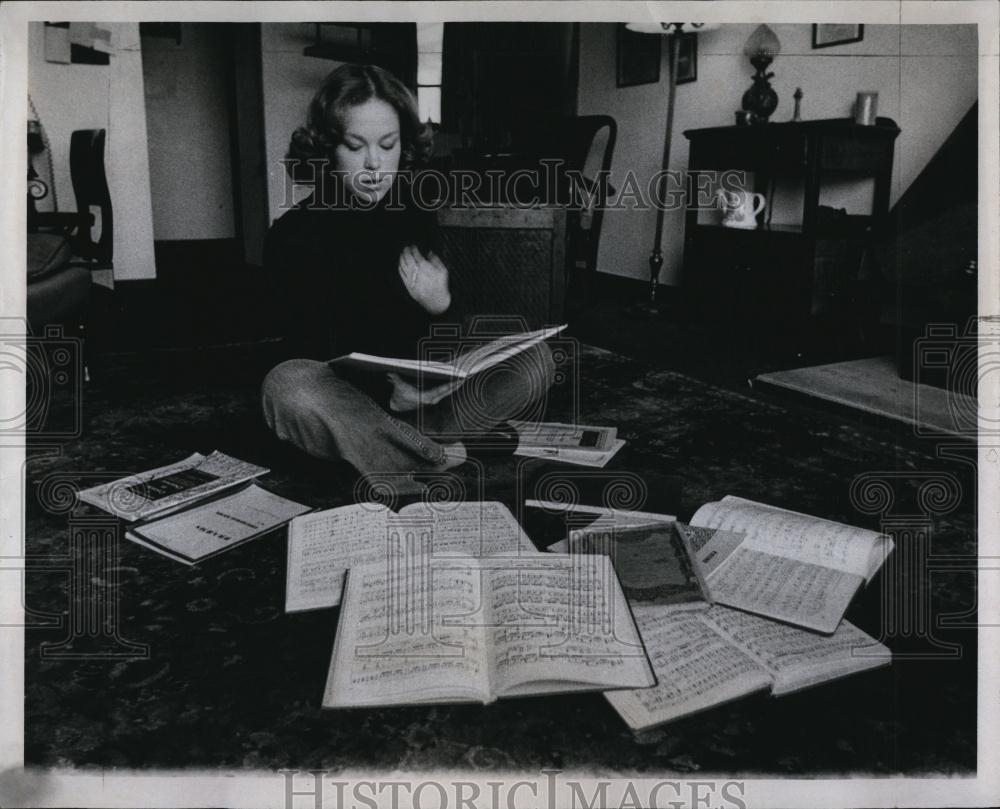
(872, 385)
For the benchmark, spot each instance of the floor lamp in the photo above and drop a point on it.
(651, 308)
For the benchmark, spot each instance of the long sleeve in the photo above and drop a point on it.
(337, 281)
(431, 240)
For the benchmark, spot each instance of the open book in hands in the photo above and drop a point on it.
(462, 630)
(462, 367)
(324, 545)
(704, 658)
(782, 564)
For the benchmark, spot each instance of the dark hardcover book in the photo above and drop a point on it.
(653, 563)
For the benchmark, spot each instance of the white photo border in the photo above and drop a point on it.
(250, 789)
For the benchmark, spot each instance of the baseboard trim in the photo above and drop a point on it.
(629, 288)
(179, 257)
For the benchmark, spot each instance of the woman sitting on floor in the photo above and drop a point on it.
(359, 273)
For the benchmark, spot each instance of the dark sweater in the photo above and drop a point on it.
(338, 275)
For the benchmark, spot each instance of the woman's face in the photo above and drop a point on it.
(369, 153)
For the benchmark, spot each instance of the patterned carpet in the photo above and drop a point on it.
(231, 681)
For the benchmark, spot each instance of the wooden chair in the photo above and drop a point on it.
(62, 251)
(589, 147)
(584, 145)
(90, 187)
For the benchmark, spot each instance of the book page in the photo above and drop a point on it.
(785, 589)
(406, 367)
(473, 529)
(323, 545)
(500, 349)
(561, 620)
(205, 530)
(788, 533)
(464, 365)
(409, 636)
(618, 516)
(798, 658)
(695, 668)
(712, 546)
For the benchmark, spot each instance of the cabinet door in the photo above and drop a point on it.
(752, 286)
(719, 267)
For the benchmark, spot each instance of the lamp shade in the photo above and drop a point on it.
(666, 28)
(762, 42)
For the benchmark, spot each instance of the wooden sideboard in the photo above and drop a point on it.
(795, 284)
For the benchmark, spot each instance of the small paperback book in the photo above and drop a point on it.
(324, 545)
(781, 564)
(567, 443)
(704, 658)
(216, 526)
(573, 455)
(475, 630)
(556, 435)
(170, 488)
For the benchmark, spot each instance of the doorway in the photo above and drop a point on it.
(204, 118)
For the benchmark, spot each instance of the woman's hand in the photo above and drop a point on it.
(407, 396)
(426, 279)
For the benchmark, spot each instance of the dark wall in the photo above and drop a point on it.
(505, 84)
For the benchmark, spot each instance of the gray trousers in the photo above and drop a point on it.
(307, 403)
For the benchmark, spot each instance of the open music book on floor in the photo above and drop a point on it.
(781, 564)
(462, 367)
(461, 630)
(323, 545)
(704, 658)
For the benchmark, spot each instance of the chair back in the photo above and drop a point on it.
(506, 261)
(588, 145)
(90, 186)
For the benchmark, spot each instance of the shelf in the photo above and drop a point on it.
(856, 227)
(785, 230)
(773, 128)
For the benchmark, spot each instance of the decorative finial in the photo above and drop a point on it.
(797, 95)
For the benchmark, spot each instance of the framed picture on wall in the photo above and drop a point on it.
(687, 57)
(828, 34)
(638, 59)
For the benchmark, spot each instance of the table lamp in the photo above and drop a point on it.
(668, 29)
(761, 47)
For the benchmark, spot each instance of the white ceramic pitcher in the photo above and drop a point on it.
(740, 208)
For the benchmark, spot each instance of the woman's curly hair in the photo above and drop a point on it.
(348, 86)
